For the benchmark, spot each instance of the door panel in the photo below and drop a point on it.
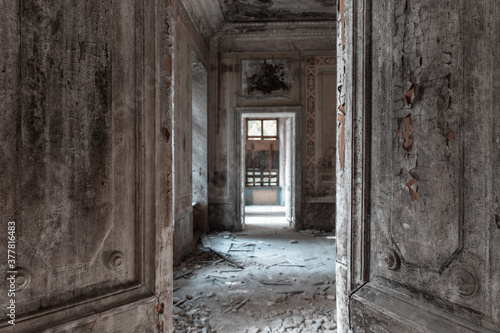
(423, 250)
(87, 231)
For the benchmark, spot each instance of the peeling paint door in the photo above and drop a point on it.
(418, 205)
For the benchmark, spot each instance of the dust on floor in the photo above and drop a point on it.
(265, 279)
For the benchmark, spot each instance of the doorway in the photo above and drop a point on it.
(267, 165)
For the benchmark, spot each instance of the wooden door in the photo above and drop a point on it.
(418, 205)
(87, 173)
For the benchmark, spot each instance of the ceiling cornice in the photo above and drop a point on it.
(278, 29)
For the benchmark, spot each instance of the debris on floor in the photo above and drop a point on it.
(246, 283)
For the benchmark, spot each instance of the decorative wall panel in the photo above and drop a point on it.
(320, 126)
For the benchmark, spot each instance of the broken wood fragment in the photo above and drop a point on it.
(180, 302)
(227, 259)
(239, 305)
(291, 265)
(182, 275)
(275, 283)
(291, 292)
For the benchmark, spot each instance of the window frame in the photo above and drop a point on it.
(268, 173)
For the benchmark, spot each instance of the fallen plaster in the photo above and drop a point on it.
(287, 283)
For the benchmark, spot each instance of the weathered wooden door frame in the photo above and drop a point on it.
(362, 301)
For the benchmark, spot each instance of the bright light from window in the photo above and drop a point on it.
(254, 128)
(270, 128)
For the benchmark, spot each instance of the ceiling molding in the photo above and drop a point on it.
(206, 16)
(279, 29)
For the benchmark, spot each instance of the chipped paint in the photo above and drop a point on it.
(169, 66)
(413, 193)
(341, 118)
(410, 94)
(342, 21)
(449, 136)
(406, 133)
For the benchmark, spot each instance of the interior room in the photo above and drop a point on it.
(240, 166)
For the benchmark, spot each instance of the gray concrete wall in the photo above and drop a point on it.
(80, 168)
(417, 198)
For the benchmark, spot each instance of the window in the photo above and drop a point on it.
(262, 152)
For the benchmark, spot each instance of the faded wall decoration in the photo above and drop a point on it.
(267, 79)
(320, 126)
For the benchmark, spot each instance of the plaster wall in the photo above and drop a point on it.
(199, 81)
(187, 41)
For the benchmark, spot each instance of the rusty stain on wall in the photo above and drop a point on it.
(342, 108)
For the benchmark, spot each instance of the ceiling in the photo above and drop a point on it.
(277, 10)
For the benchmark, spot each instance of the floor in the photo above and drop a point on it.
(266, 278)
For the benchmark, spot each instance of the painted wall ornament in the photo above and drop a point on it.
(267, 79)
(268, 76)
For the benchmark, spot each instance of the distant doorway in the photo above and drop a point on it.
(267, 166)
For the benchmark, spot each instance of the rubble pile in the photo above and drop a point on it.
(233, 283)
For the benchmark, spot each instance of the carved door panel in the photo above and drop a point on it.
(426, 250)
(82, 262)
